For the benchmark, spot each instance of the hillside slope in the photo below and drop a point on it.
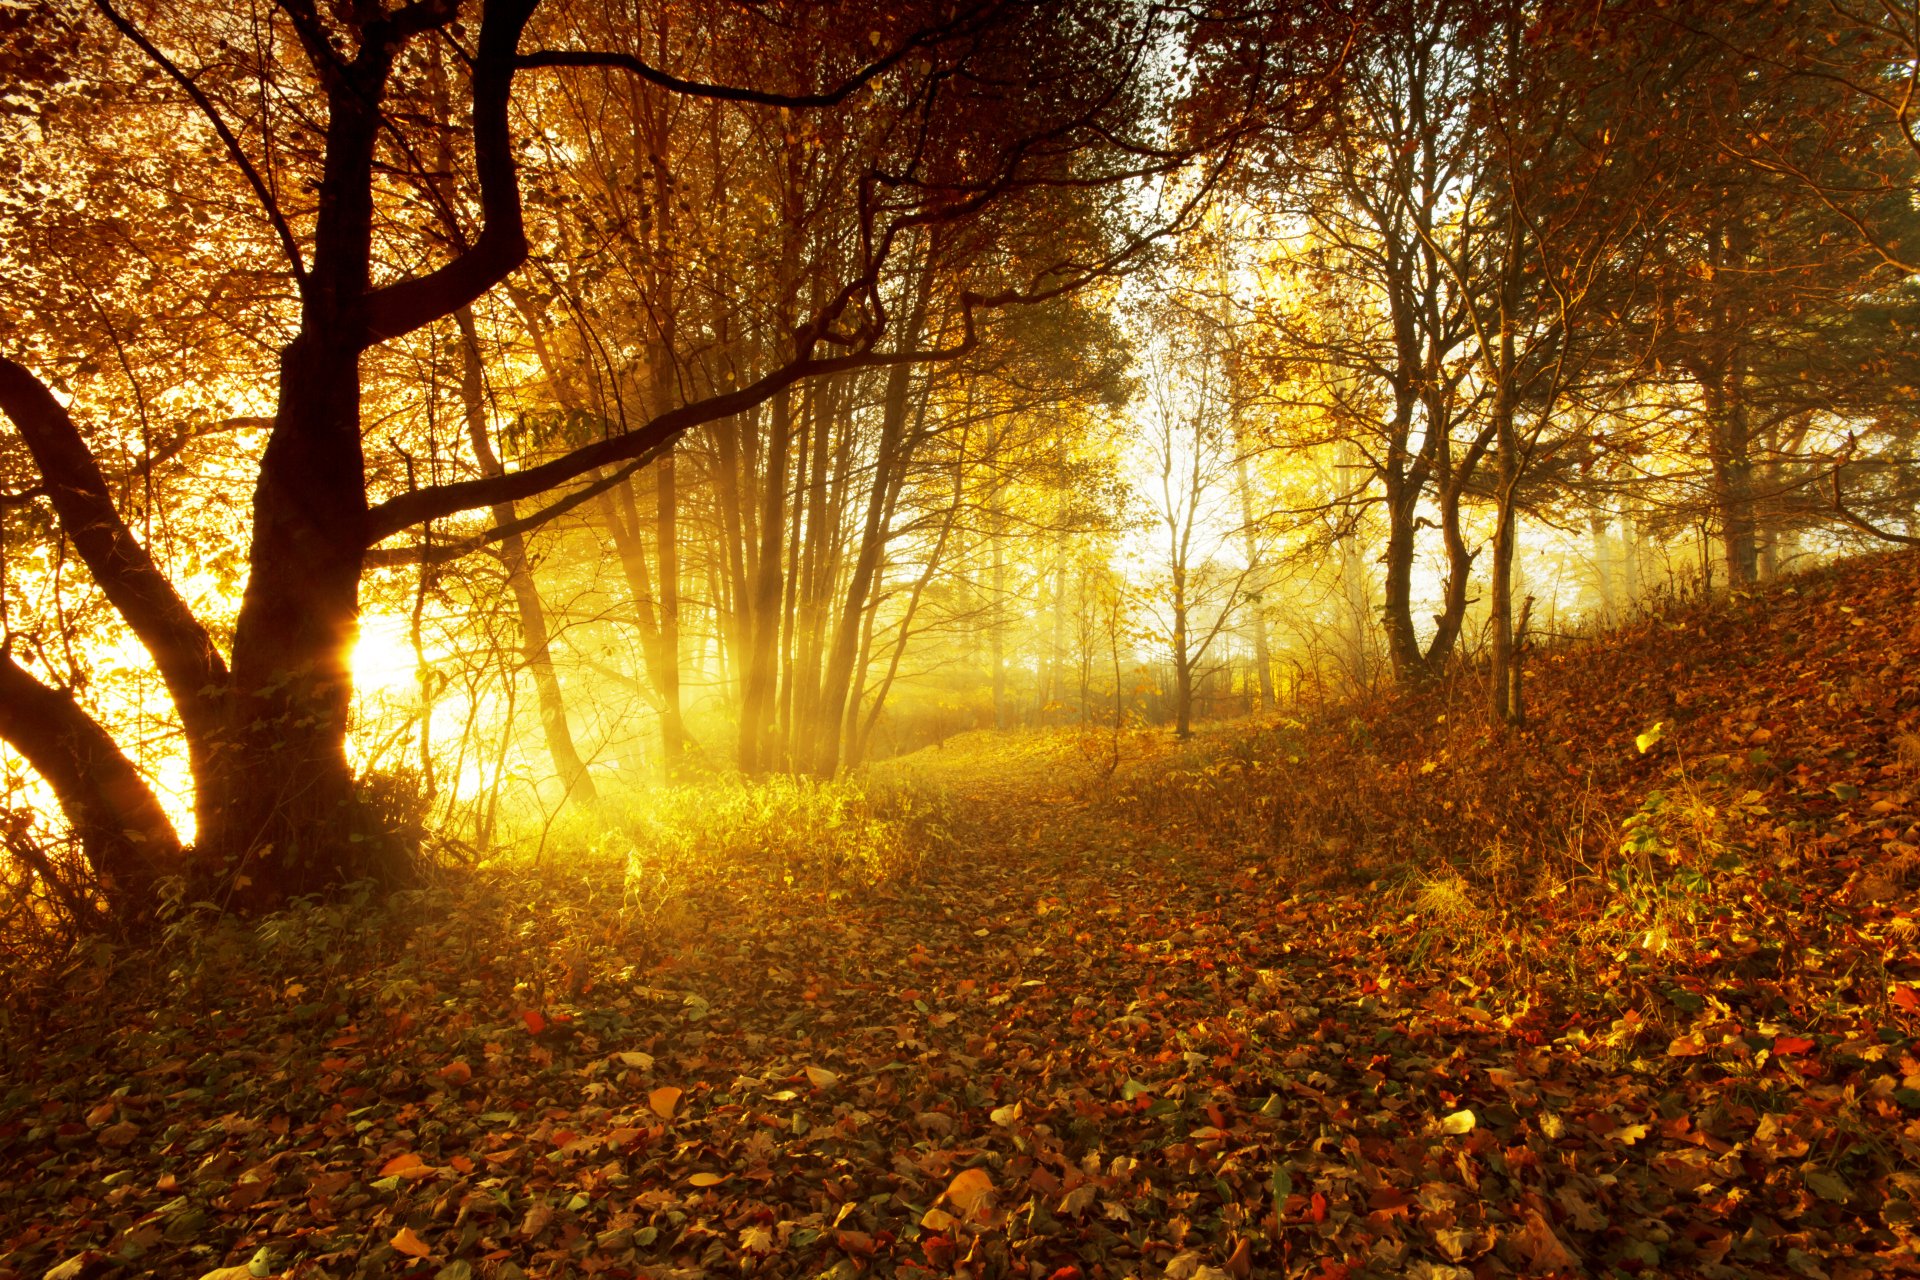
(1779, 728)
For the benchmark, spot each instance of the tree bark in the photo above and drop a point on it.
(123, 831)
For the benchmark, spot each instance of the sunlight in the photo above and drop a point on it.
(383, 656)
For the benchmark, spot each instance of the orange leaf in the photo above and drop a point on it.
(1907, 998)
(400, 1164)
(663, 1101)
(1784, 1046)
(535, 1022)
(456, 1073)
(707, 1179)
(461, 1164)
(971, 1192)
(404, 1241)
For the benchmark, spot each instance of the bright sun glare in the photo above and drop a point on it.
(383, 658)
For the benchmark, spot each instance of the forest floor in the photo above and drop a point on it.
(1088, 1038)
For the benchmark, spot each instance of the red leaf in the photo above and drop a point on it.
(535, 1023)
(1783, 1046)
(1319, 1203)
(1907, 998)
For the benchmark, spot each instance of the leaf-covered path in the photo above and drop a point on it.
(1068, 1045)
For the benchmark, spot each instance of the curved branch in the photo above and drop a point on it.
(1860, 522)
(132, 582)
(408, 509)
(501, 246)
(632, 64)
(396, 557)
(121, 825)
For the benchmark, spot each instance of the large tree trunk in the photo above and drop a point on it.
(277, 806)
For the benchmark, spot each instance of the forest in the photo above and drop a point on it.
(1062, 639)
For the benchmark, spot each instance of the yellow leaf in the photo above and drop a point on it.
(937, 1220)
(971, 1192)
(821, 1077)
(404, 1241)
(663, 1101)
(1458, 1123)
(638, 1061)
(707, 1179)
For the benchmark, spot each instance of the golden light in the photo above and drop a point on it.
(383, 657)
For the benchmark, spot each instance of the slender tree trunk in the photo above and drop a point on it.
(1262, 653)
(535, 640)
(673, 724)
(1501, 671)
(1731, 456)
(1182, 659)
(890, 455)
(763, 643)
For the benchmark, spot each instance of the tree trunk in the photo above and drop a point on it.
(1731, 455)
(278, 805)
(535, 641)
(1262, 653)
(763, 615)
(1500, 680)
(673, 724)
(891, 455)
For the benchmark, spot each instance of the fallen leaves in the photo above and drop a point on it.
(971, 1193)
(1093, 1046)
(405, 1241)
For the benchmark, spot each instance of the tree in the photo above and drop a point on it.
(265, 710)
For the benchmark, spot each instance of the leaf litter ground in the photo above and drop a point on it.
(1082, 1043)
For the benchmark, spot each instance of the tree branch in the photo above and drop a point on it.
(120, 824)
(134, 585)
(395, 557)
(501, 246)
(408, 509)
(1860, 522)
(634, 65)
